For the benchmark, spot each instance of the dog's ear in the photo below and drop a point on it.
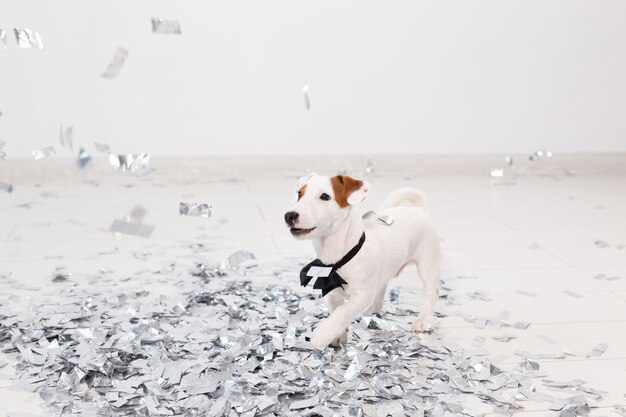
(349, 191)
(301, 183)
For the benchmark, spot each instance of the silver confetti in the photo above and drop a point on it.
(527, 293)
(3, 38)
(116, 64)
(3, 154)
(508, 160)
(83, 159)
(165, 26)
(241, 258)
(102, 147)
(27, 38)
(6, 187)
(497, 173)
(44, 152)
(132, 163)
(305, 92)
(394, 295)
(65, 138)
(370, 166)
(385, 219)
(195, 209)
(132, 224)
(573, 294)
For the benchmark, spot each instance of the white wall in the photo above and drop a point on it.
(384, 76)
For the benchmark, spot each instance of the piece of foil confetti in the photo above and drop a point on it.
(102, 147)
(540, 154)
(83, 159)
(369, 168)
(3, 38)
(3, 154)
(194, 209)
(65, 138)
(116, 64)
(132, 163)
(305, 92)
(27, 38)
(132, 224)
(165, 26)
(44, 152)
(497, 173)
(241, 258)
(6, 187)
(385, 219)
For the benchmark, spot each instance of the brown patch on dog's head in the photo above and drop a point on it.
(343, 186)
(301, 192)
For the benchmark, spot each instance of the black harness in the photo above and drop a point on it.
(327, 277)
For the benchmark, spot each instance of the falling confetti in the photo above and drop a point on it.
(3, 154)
(165, 26)
(6, 187)
(83, 160)
(26, 38)
(132, 163)
(117, 62)
(65, 138)
(3, 38)
(194, 209)
(370, 166)
(307, 102)
(102, 147)
(44, 152)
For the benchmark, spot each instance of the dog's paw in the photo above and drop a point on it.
(421, 325)
(323, 335)
(341, 340)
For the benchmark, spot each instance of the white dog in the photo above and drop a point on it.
(358, 257)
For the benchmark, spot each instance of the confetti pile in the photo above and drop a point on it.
(229, 347)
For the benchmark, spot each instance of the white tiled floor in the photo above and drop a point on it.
(537, 235)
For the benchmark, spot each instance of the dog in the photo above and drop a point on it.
(324, 211)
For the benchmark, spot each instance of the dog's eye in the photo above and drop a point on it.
(325, 197)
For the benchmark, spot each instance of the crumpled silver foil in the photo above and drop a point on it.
(165, 26)
(83, 159)
(132, 163)
(132, 224)
(102, 147)
(116, 64)
(385, 219)
(3, 154)
(307, 101)
(3, 38)
(65, 138)
(44, 152)
(194, 209)
(229, 347)
(6, 187)
(27, 38)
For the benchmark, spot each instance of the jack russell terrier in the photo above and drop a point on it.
(357, 257)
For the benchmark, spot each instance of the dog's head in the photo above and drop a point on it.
(323, 203)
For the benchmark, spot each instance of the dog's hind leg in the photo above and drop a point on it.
(428, 260)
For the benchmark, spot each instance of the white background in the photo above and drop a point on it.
(385, 76)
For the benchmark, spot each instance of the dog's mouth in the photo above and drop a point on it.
(300, 232)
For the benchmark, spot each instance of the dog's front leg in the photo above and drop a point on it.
(333, 327)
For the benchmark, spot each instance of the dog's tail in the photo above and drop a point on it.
(401, 195)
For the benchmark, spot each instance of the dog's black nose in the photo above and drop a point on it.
(291, 217)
